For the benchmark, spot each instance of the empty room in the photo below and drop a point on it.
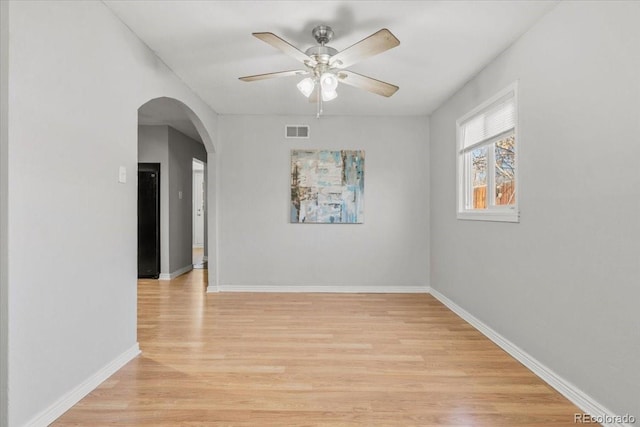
(319, 213)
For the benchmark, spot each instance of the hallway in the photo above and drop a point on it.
(198, 258)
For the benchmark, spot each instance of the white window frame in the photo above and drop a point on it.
(492, 212)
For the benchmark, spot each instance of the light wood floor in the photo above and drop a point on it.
(248, 359)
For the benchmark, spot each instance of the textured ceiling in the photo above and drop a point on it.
(443, 44)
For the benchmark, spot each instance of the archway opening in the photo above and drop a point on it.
(170, 139)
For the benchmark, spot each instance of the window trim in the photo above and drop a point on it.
(509, 213)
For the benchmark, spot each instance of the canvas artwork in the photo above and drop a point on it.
(327, 187)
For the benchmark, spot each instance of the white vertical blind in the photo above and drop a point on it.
(497, 118)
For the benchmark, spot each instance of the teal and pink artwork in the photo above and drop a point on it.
(327, 186)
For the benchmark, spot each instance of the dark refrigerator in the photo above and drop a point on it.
(148, 220)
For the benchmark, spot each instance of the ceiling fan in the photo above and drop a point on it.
(326, 67)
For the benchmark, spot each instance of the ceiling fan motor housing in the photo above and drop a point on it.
(321, 54)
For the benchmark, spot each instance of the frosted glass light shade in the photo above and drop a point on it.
(329, 82)
(328, 95)
(306, 86)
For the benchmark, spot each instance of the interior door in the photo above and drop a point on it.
(198, 208)
(149, 220)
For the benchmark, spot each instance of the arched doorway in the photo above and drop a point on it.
(172, 138)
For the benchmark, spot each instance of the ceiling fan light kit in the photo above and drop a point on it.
(327, 65)
(328, 84)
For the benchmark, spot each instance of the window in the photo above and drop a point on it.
(487, 160)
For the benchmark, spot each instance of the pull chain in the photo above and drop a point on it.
(319, 101)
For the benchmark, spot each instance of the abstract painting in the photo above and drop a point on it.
(327, 187)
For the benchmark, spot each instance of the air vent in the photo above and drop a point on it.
(296, 131)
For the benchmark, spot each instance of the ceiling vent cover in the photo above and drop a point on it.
(296, 131)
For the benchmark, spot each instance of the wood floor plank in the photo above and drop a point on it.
(266, 359)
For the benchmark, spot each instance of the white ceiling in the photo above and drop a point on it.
(208, 44)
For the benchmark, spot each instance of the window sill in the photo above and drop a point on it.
(499, 216)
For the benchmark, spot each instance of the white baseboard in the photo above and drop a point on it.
(583, 401)
(174, 274)
(65, 403)
(326, 289)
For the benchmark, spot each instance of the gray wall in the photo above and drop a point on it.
(182, 151)
(260, 248)
(77, 78)
(4, 110)
(175, 153)
(153, 147)
(563, 283)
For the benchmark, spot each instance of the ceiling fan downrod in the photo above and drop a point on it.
(323, 34)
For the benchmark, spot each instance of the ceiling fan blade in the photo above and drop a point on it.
(272, 75)
(374, 44)
(285, 47)
(367, 83)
